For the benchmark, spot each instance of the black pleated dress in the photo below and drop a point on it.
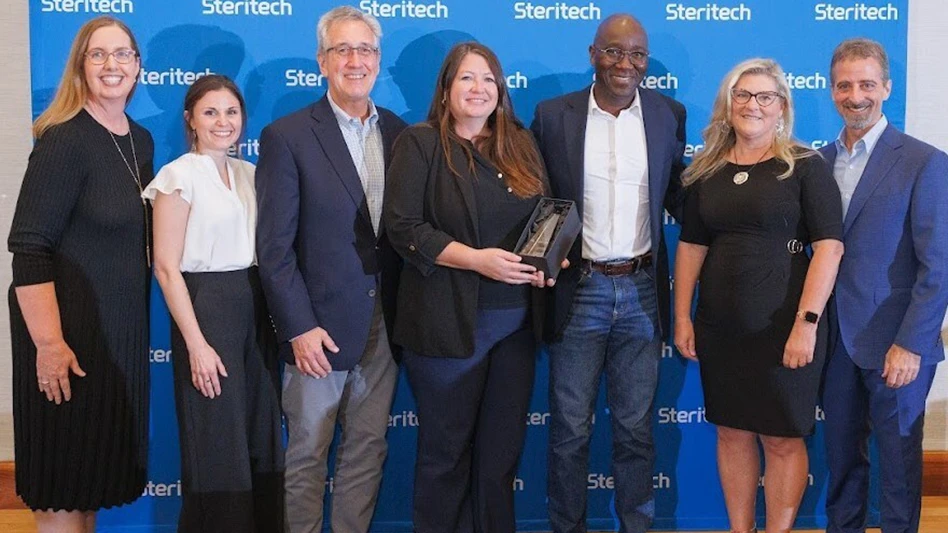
(750, 287)
(80, 224)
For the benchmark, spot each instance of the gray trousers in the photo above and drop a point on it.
(360, 400)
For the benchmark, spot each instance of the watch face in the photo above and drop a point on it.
(811, 317)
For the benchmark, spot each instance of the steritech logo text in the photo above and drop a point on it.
(263, 8)
(87, 6)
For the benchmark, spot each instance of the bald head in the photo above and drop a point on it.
(620, 27)
(619, 54)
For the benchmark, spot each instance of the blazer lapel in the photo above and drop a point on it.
(884, 156)
(389, 135)
(656, 133)
(574, 126)
(330, 138)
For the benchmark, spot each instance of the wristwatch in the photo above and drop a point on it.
(808, 316)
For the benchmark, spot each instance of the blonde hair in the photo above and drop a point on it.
(73, 91)
(719, 136)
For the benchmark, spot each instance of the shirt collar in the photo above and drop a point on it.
(345, 118)
(636, 106)
(868, 140)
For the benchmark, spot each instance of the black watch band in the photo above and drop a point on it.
(808, 316)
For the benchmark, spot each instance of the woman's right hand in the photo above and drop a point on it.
(206, 366)
(685, 339)
(53, 363)
(504, 266)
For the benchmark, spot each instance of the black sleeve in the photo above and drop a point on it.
(820, 200)
(693, 229)
(412, 236)
(675, 195)
(51, 187)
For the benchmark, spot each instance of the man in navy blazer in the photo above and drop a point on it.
(330, 275)
(616, 150)
(890, 298)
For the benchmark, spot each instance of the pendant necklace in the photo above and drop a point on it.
(137, 178)
(741, 176)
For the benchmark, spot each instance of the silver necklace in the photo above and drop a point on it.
(137, 178)
(741, 176)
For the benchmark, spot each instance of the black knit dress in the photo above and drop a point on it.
(80, 224)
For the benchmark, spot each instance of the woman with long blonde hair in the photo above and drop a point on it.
(757, 200)
(79, 302)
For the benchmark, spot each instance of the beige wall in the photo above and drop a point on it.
(927, 118)
(14, 148)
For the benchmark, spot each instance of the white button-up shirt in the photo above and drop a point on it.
(849, 166)
(615, 194)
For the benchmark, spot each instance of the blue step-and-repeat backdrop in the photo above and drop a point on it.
(268, 47)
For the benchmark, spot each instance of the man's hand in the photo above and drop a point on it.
(309, 351)
(901, 367)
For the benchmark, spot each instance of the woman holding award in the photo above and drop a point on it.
(462, 187)
(757, 199)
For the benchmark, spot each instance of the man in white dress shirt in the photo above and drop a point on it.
(615, 149)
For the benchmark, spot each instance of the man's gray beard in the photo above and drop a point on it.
(860, 124)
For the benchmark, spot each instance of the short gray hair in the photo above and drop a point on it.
(339, 14)
(861, 48)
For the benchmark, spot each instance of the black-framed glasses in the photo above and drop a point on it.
(345, 50)
(764, 98)
(615, 55)
(98, 56)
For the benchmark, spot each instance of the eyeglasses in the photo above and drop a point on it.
(346, 50)
(639, 57)
(764, 98)
(99, 57)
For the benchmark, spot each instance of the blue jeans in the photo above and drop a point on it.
(613, 325)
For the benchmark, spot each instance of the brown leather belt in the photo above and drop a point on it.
(620, 268)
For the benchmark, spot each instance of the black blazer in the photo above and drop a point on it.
(559, 126)
(320, 261)
(426, 208)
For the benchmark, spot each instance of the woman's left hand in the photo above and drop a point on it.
(798, 351)
(539, 281)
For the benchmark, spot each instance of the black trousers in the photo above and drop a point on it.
(232, 445)
(472, 423)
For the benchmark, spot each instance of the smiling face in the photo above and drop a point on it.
(217, 121)
(351, 76)
(616, 81)
(473, 92)
(858, 92)
(750, 120)
(111, 81)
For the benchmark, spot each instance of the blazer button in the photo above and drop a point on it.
(411, 247)
(371, 293)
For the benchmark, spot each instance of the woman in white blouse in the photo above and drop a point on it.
(223, 345)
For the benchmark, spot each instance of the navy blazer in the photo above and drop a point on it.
(320, 261)
(892, 285)
(560, 129)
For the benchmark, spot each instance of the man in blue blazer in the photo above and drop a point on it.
(616, 150)
(330, 275)
(890, 298)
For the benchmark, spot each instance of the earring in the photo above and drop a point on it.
(781, 127)
(724, 125)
